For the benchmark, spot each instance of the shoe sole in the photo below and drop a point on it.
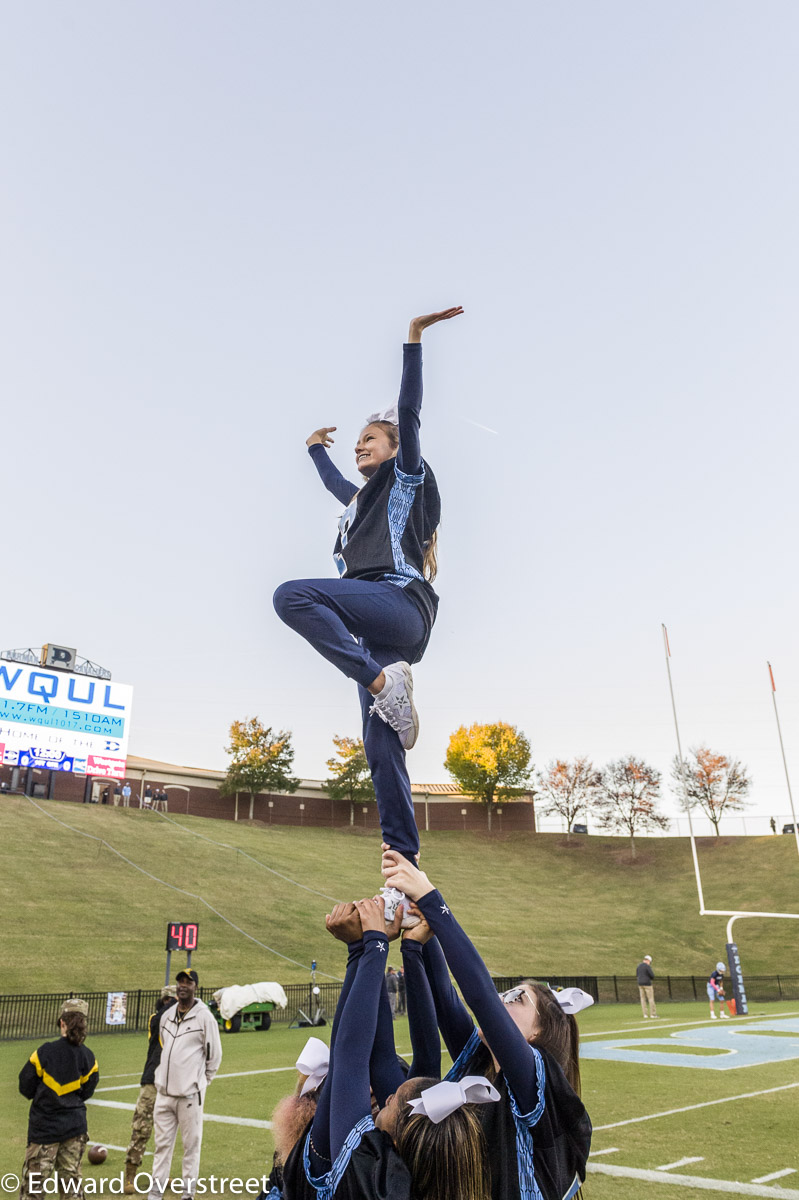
(409, 743)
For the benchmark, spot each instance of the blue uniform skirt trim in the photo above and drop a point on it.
(325, 1185)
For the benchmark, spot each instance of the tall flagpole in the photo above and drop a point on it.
(667, 649)
(784, 760)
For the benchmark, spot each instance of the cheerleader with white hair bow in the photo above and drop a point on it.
(527, 1044)
(426, 1141)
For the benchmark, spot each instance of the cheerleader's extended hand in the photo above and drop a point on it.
(321, 437)
(400, 873)
(372, 914)
(344, 923)
(419, 324)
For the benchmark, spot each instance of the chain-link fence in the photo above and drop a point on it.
(34, 1016)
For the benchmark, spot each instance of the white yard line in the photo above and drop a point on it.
(122, 1087)
(775, 1175)
(643, 1030)
(249, 1121)
(610, 1150)
(670, 1112)
(730, 1188)
(681, 1162)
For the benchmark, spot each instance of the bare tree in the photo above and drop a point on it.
(713, 782)
(568, 788)
(628, 795)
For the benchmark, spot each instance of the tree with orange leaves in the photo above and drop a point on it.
(568, 788)
(715, 783)
(627, 797)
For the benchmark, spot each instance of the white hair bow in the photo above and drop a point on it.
(572, 1000)
(444, 1098)
(314, 1062)
(390, 414)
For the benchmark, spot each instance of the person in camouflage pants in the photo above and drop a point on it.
(60, 1158)
(58, 1079)
(142, 1125)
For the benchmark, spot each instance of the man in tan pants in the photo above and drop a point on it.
(142, 1125)
(646, 978)
(191, 1052)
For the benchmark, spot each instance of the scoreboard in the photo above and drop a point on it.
(182, 935)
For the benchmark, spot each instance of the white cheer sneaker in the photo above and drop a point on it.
(393, 899)
(395, 706)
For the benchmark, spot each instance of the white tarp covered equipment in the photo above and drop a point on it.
(233, 999)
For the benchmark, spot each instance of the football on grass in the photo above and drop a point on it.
(97, 1154)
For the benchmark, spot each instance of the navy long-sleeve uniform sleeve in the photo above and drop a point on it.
(425, 1042)
(330, 475)
(453, 1018)
(323, 1106)
(385, 1071)
(409, 406)
(508, 1045)
(347, 1085)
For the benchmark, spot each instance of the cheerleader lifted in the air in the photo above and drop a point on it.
(386, 557)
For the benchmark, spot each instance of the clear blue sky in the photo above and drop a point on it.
(217, 221)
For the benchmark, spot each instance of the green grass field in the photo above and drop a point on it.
(735, 1140)
(78, 917)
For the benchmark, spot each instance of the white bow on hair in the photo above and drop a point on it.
(314, 1061)
(444, 1098)
(390, 414)
(572, 1000)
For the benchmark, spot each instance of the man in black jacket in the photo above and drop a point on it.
(646, 978)
(142, 1125)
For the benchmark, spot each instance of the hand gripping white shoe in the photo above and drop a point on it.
(393, 899)
(395, 706)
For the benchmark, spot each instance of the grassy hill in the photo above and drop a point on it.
(77, 916)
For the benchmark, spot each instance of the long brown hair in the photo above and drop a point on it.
(430, 563)
(558, 1032)
(76, 1027)
(448, 1159)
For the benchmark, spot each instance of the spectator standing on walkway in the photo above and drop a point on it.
(646, 978)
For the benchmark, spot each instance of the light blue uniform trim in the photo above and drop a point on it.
(400, 503)
(574, 1189)
(461, 1065)
(325, 1185)
(524, 1122)
(273, 1194)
